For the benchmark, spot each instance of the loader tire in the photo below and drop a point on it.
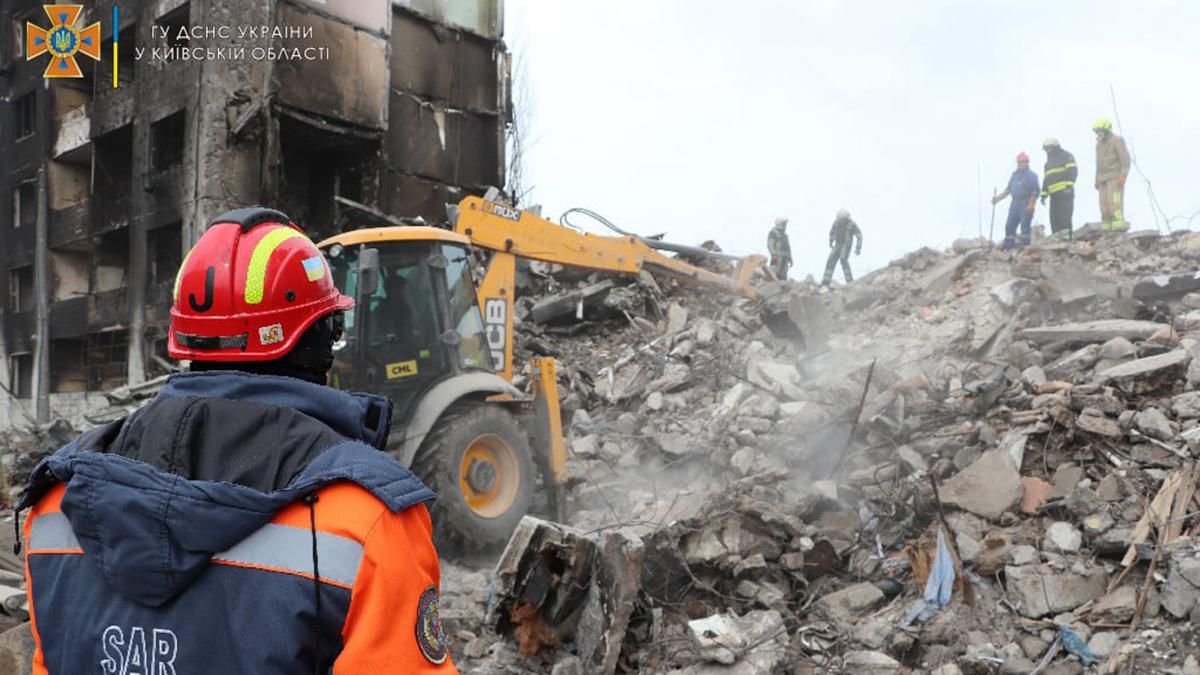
(477, 460)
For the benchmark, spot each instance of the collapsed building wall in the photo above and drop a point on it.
(135, 172)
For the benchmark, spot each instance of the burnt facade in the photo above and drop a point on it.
(341, 113)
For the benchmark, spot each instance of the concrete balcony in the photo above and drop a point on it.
(73, 136)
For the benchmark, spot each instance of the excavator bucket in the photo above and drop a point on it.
(792, 314)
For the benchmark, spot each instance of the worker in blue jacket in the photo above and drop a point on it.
(1024, 188)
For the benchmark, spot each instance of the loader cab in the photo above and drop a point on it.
(416, 319)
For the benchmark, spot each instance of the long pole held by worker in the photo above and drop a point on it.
(992, 229)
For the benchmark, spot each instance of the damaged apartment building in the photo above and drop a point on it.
(341, 113)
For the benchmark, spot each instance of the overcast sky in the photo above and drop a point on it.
(707, 119)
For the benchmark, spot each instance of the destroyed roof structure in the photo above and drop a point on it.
(103, 188)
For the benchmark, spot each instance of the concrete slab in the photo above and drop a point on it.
(1093, 331)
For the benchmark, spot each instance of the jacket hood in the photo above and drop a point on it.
(211, 459)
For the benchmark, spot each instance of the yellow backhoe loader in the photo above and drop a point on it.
(441, 347)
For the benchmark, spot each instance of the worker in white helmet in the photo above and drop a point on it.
(843, 236)
(780, 249)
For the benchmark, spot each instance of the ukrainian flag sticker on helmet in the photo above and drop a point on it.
(314, 267)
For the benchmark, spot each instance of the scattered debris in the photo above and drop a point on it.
(963, 462)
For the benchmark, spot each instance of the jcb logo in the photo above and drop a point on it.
(401, 369)
(495, 319)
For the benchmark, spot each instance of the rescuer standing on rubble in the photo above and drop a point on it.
(780, 249)
(1112, 166)
(1023, 186)
(246, 520)
(842, 236)
(1058, 184)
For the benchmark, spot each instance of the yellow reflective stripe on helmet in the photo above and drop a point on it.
(256, 273)
(179, 274)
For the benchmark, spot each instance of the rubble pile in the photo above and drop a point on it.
(989, 466)
(965, 462)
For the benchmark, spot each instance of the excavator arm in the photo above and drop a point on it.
(502, 228)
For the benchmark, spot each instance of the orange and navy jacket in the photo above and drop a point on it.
(236, 524)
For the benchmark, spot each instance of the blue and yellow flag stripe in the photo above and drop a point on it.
(116, 30)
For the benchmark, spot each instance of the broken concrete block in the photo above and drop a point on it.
(1186, 405)
(1146, 374)
(803, 414)
(1165, 286)
(675, 376)
(1104, 644)
(16, 650)
(724, 638)
(570, 304)
(1097, 524)
(1033, 376)
(1038, 590)
(542, 581)
(1022, 555)
(677, 318)
(614, 585)
(586, 447)
(1075, 363)
(877, 663)
(987, 488)
(1118, 349)
(1066, 477)
(1062, 538)
(780, 379)
(1154, 424)
(675, 445)
(1013, 292)
(1182, 590)
(1117, 606)
(851, 600)
(1094, 422)
(1093, 331)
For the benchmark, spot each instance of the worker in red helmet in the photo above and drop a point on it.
(245, 520)
(1024, 188)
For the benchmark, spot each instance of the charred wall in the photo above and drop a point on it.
(409, 115)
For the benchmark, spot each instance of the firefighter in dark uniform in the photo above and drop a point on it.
(1058, 184)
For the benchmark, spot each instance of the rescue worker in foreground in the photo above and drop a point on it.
(1112, 166)
(1023, 187)
(246, 520)
(842, 236)
(780, 249)
(1058, 184)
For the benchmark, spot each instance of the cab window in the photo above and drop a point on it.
(464, 315)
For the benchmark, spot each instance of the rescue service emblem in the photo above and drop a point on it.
(429, 627)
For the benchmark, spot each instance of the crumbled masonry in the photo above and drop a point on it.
(1039, 408)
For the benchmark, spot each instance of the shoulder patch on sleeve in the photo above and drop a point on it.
(430, 638)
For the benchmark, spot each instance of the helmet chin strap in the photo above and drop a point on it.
(310, 359)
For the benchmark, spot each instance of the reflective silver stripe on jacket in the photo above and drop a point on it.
(52, 532)
(287, 548)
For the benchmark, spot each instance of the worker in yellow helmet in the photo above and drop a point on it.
(1112, 166)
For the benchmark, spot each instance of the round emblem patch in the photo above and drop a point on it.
(429, 627)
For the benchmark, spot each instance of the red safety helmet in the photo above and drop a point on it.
(249, 289)
(1022, 157)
